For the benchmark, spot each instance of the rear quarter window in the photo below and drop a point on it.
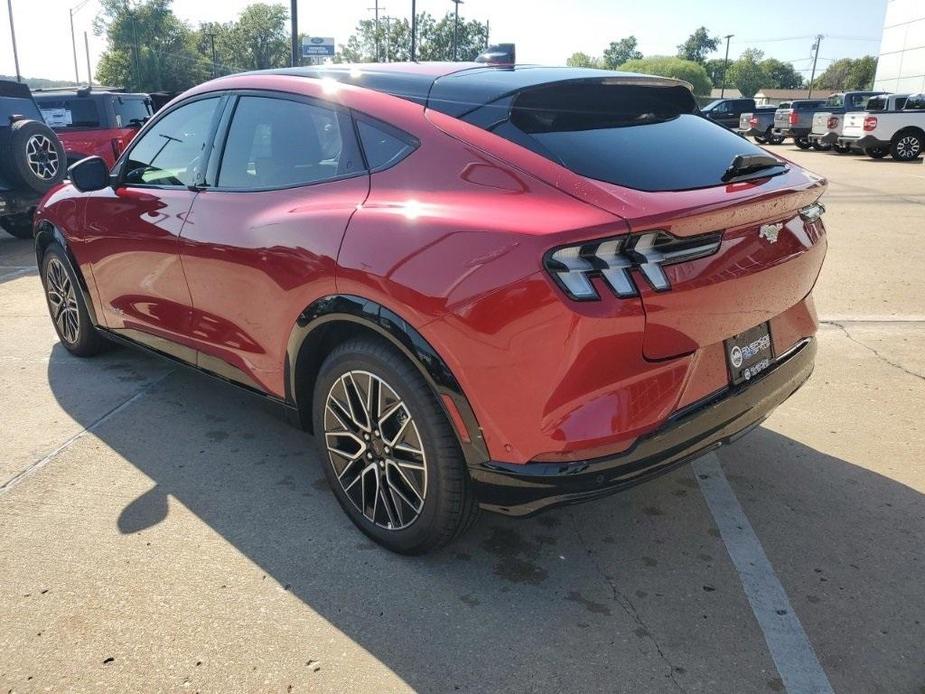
(70, 113)
(646, 138)
(383, 146)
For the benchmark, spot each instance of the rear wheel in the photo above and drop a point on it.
(773, 139)
(841, 149)
(67, 307)
(820, 146)
(906, 145)
(876, 152)
(802, 142)
(388, 451)
(18, 225)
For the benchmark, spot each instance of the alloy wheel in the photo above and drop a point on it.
(62, 300)
(375, 450)
(908, 147)
(42, 157)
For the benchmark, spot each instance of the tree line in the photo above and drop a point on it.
(748, 73)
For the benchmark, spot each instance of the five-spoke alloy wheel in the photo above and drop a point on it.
(66, 305)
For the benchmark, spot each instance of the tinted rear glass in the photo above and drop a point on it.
(14, 105)
(807, 105)
(131, 110)
(75, 112)
(646, 138)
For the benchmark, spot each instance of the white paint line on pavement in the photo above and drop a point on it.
(790, 647)
(15, 273)
(39, 464)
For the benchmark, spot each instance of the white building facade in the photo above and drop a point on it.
(901, 66)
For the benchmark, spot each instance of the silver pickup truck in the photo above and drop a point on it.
(796, 120)
(760, 125)
(893, 125)
(829, 119)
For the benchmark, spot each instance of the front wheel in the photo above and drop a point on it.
(802, 142)
(841, 149)
(876, 152)
(388, 450)
(66, 305)
(820, 146)
(906, 146)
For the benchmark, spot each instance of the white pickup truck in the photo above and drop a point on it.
(828, 120)
(899, 131)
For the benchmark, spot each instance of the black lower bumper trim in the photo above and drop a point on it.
(862, 143)
(522, 490)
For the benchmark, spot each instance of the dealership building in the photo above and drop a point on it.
(901, 67)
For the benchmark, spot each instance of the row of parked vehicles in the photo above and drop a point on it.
(875, 123)
(45, 131)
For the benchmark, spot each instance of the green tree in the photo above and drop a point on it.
(261, 37)
(147, 47)
(435, 40)
(748, 73)
(580, 59)
(671, 66)
(781, 75)
(848, 73)
(714, 68)
(618, 52)
(698, 46)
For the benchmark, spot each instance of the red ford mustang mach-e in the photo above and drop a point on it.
(479, 286)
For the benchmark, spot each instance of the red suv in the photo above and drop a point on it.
(94, 122)
(479, 286)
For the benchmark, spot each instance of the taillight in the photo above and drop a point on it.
(753, 121)
(832, 123)
(572, 267)
(793, 118)
(870, 123)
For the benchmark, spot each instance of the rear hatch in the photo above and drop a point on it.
(665, 169)
(854, 124)
(821, 122)
(743, 121)
(782, 118)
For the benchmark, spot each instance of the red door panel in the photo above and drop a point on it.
(131, 239)
(254, 261)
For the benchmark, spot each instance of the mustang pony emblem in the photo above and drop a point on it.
(770, 231)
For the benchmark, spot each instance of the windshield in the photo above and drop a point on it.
(713, 104)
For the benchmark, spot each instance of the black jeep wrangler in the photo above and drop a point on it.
(32, 159)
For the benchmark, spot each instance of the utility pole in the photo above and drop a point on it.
(89, 71)
(815, 58)
(414, 29)
(211, 36)
(378, 40)
(74, 46)
(487, 32)
(296, 57)
(388, 38)
(722, 91)
(9, 4)
(456, 31)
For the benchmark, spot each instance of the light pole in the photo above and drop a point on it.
(296, 58)
(456, 30)
(211, 36)
(71, 12)
(89, 71)
(9, 4)
(414, 29)
(722, 91)
(812, 75)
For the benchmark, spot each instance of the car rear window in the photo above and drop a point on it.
(14, 105)
(807, 105)
(643, 137)
(70, 112)
(131, 110)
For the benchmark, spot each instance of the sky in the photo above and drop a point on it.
(545, 31)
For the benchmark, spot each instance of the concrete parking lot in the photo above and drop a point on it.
(164, 532)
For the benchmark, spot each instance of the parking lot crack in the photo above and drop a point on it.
(626, 605)
(874, 351)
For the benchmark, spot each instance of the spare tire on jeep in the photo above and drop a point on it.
(36, 158)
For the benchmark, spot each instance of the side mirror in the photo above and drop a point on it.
(89, 174)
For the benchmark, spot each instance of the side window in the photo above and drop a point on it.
(279, 143)
(172, 152)
(382, 149)
(131, 110)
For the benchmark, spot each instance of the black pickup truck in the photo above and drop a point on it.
(728, 111)
(32, 159)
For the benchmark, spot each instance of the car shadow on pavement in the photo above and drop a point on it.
(630, 592)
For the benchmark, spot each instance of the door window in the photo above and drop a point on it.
(280, 143)
(173, 151)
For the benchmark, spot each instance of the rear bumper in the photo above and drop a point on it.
(791, 132)
(865, 142)
(522, 490)
(829, 138)
(753, 132)
(13, 202)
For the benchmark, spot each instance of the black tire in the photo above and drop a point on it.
(85, 340)
(802, 142)
(907, 145)
(820, 147)
(760, 140)
(841, 149)
(773, 139)
(36, 157)
(449, 507)
(876, 152)
(18, 225)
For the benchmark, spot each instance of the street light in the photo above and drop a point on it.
(70, 13)
(414, 29)
(9, 4)
(456, 30)
(722, 91)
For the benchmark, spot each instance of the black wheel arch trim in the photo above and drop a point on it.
(46, 234)
(347, 308)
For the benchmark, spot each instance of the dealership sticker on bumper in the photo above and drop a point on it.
(749, 353)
